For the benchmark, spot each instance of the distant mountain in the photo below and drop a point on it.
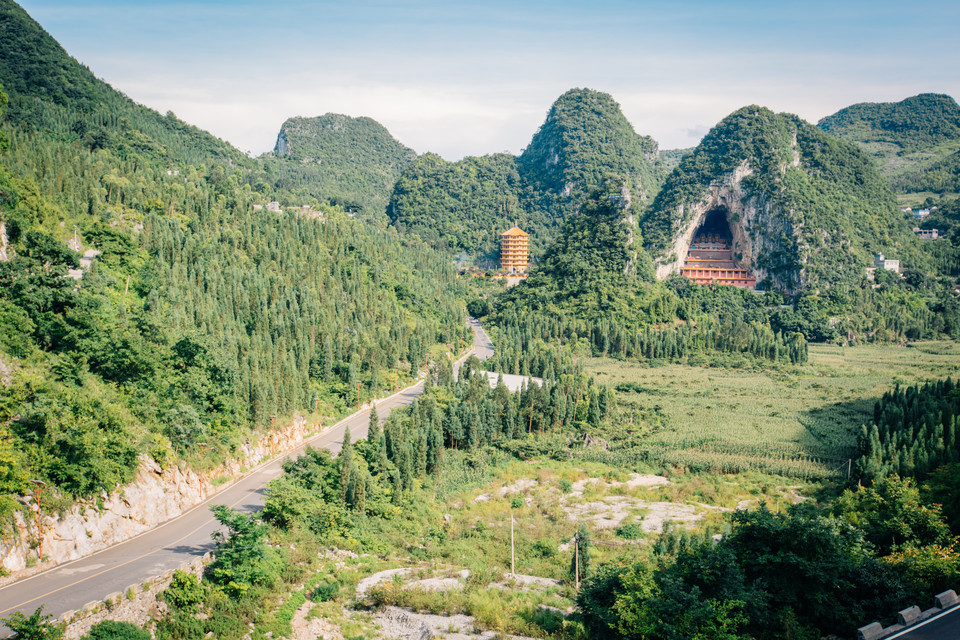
(344, 160)
(805, 210)
(916, 141)
(584, 139)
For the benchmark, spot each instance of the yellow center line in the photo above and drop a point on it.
(309, 441)
(123, 564)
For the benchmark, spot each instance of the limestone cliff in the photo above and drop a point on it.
(804, 209)
(155, 496)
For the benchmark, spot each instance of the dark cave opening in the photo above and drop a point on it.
(710, 257)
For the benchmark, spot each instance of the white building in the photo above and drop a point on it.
(882, 263)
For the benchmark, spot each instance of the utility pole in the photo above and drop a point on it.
(38, 486)
(576, 560)
(513, 570)
(358, 395)
(203, 447)
(273, 440)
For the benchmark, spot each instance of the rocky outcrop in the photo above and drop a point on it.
(757, 229)
(155, 496)
(4, 243)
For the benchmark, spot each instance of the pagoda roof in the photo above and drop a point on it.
(515, 231)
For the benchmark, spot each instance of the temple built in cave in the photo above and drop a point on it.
(710, 259)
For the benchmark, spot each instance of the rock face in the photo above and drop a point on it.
(155, 496)
(804, 209)
(4, 255)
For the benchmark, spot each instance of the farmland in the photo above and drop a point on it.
(791, 420)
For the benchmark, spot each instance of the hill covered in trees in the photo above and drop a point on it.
(806, 210)
(353, 162)
(201, 318)
(465, 204)
(915, 141)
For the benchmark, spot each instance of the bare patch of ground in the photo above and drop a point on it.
(381, 576)
(305, 628)
(403, 624)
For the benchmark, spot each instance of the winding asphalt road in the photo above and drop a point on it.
(71, 585)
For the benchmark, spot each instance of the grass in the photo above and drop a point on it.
(795, 420)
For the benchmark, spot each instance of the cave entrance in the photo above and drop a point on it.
(710, 257)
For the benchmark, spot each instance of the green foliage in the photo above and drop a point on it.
(467, 204)
(799, 574)
(242, 557)
(891, 515)
(201, 317)
(462, 205)
(630, 531)
(36, 626)
(829, 209)
(915, 140)
(351, 162)
(184, 591)
(914, 431)
(113, 630)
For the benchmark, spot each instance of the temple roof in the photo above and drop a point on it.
(515, 231)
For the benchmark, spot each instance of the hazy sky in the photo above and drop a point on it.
(469, 78)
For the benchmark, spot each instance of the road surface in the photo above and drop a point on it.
(72, 585)
(941, 627)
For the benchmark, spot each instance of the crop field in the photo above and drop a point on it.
(792, 420)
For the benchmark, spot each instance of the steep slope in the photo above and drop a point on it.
(460, 205)
(803, 208)
(50, 90)
(916, 141)
(584, 139)
(344, 160)
(596, 265)
(192, 316)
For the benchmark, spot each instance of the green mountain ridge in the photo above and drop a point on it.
(344, 160)
(464, 205)
(202, 319)
(915, 141)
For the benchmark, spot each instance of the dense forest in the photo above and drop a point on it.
(466, 204)
(190, 315)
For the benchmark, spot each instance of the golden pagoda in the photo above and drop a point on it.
(513, 250)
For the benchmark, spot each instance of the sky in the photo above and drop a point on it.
(471, 78)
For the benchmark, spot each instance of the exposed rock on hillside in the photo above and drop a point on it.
(803, 208)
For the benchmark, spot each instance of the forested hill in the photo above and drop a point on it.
(807, 210)
(350, 161)
(201, 318)
(916, 141)
(465, 205)
(49, 90)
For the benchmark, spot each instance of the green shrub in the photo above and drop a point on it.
(630, 531)
(36, 626)
(113, 630)
(184, 591)
(326, 591)
(544, 549)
